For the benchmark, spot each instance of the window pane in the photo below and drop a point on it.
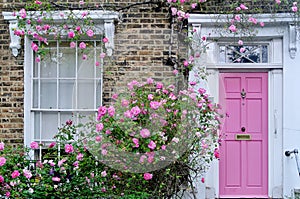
(265, 54)
(36, 94)
(67, 94)
(36, 125)
(243, 54)
(86, 94)
(222, 54)
(98, 93)
(65, 117)
(49, 125)
(67, 67)
(48, 66)
(36, 69)
(86, 67)
(48, 94)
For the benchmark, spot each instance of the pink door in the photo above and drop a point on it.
(244, 149)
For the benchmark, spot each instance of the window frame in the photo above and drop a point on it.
(104, 23)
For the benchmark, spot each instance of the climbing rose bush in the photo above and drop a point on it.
(154, 125)
(149, 143)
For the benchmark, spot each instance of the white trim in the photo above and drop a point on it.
(275, 133)
(28, 66)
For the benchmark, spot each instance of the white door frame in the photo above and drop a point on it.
(281, 36)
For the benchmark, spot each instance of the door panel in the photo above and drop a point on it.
(244, 161)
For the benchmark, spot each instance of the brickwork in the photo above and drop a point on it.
(142, 40)
(142, 44)
(11, 89)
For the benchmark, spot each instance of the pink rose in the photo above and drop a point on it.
(105, 39)
(61, 162)
(243, 7)
(37, 59)
(145, 133)
(90, 33)
(174, 11)
(99, 127)
(1, 179)
(202, 180)
(124, 103)
(201, 91)
(103, 173)
(79, 156)
(135, 110)
(52, 144)
(232, 28)
(34, 47)
(185, 63)
(154, 105)
(142, 159)
(148, 176)
(1, 146)
(150, 97)
(216, 153)
(27, 173)
(34, 145)
(101, 112)
(242, 50)
(159, 85)
(69, 148)
(237, 17)
(22, 13)
(175, 72)
(294, 9)
(78, 28)
(150, 81)
(84, 57)
(72, 44)
(136, 142)
(15, 174)
(152, 145)
(82, 45)
(71, 34)
(102, 55)
(111, 111)
(55, 179)
(98, 138)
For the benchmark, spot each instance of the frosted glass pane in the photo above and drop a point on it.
(36, 125)
(35, 93)
(48, 94)
(48, 65)
(86, 67)
(49, 125)
(67, 67)
(86, 94)
(67, 94)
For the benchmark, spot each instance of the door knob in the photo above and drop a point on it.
(243, 129)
